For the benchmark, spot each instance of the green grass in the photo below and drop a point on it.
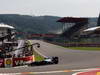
(85, 48)
(37, 56)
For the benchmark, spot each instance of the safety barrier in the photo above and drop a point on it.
(12, 62)
(75, 44)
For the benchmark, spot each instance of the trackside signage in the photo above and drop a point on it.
(22, 61)
(11, 62)
(1, 62)
(8, 62)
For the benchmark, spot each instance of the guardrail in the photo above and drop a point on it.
(75, 44)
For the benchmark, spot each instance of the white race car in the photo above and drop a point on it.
(47, 61)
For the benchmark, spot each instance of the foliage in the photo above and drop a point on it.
(31, 24)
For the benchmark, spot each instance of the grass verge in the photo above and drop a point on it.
(85, 48)
(37, 56)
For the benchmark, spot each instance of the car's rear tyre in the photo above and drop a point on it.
(55, 60)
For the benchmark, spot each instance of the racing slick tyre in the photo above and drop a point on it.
(55, 60)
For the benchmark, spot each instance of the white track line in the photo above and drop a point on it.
(89, 69)
(10, 74)
(20, 66)
(39, 52)
(77, 73)
(47, 72)
(85, 70)
(35, 49)
(25, 73)
(50, 72)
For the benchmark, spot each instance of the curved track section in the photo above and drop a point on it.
(69, 60)
(74, 58)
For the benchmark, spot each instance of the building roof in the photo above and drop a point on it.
(72, 20)
(92, 29)
(6, 26)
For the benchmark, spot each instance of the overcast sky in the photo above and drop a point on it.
(82, 8)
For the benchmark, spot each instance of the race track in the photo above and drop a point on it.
(69, 60)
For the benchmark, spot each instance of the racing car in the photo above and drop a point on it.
(46, 61)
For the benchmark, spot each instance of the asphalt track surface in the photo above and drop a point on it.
(69, 60)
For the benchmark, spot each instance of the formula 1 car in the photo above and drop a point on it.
(46, 61)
